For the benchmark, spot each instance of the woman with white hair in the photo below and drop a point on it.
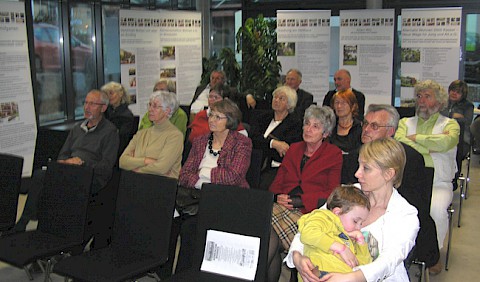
(118, 112)
(157, 149)
(274, 131)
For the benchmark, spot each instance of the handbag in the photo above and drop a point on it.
(187, 200)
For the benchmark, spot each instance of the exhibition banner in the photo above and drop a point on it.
(303, 39)
(430, 48)
(159, 44)
(366, 51)
(18, 128)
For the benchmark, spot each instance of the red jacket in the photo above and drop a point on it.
(320, 175)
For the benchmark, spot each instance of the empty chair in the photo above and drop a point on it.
(61, 218)
(254, 171)
(234, 210)
(140, 237)
(10, 179)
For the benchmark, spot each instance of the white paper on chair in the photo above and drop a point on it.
(231, 254)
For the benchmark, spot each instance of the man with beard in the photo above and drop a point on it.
(436, 138)
(92, 143)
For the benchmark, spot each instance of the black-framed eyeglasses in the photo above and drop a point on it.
(373, 125)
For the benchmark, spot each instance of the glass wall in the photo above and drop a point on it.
(48, 59)
(472, 57)
(82, 55)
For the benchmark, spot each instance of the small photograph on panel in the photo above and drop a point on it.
(168, 72)
(9, 112)
(286, 49)
(411, 55)
(167, 53)
(132, 81)
(408, 80)
(127, 57)
(132, 71)
(350, 55)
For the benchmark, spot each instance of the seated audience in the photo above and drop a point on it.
(309, 172)
(221, 156)
(157, 149)
(92, 143)
(118, 112)
(179, 118)
(346, 134)
(274, 131)
(392, 221)
(200, 123)
(332, 236)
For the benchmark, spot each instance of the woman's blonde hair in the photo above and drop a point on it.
(116, 87)
(386, 153)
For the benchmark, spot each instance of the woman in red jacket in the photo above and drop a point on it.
(309, 172)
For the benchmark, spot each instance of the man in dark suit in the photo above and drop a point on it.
(342, 81)
(293, 79)
(381, 121)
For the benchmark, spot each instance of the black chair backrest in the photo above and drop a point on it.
(10, 180)
(62, 209)
(235, 210)
(254, 171)
(144, 213)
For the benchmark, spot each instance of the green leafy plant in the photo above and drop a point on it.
(225, 61)
(257, 40)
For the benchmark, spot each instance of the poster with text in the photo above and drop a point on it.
(430, 48)
(18, 128)
(159, 44)
(366, 51)
(303, 39)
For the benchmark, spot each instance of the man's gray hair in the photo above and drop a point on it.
(392, 113)
(166, 99)
(324, 115)
(297, 71)
(441, 94)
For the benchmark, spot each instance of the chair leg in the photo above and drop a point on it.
(450, 211)
(463, 182)
(468, 176)
(29, 274)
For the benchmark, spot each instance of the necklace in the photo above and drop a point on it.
(346, 126)
(210, 147)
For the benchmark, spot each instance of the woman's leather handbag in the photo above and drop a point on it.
(187, 200)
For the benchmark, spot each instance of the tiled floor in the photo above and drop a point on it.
(464, 255)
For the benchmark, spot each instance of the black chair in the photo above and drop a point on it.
(463, 153)
(10, 180)
(141, 232)
(255, 169)
(406, 111)
(233, 210)
(61, 219)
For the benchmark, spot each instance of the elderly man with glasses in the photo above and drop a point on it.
(92, 143)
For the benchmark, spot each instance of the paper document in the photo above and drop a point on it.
(231, 254)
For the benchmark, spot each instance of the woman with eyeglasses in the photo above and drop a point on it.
(273, 131)
(179, 118)
(118, 112)
(221, 156)
(310, 171)
(157, 149)
(199, 125)
(348, 130)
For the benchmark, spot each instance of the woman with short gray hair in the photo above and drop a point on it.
(157, 149)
